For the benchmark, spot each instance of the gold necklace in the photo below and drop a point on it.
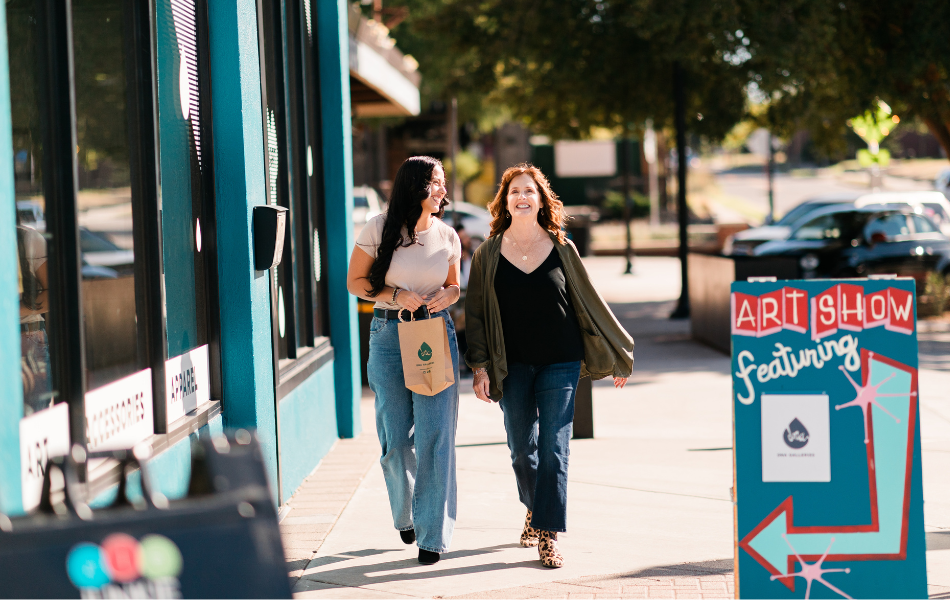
(524, 254)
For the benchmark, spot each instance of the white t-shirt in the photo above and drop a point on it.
(422, 267)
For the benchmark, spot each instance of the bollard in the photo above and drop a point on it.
(584, 410)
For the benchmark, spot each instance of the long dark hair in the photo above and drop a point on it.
(410, 188)
(31, 284)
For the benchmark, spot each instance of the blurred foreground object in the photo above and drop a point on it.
(221, 541)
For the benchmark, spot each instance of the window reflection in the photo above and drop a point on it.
(30, 206)
(104, 201)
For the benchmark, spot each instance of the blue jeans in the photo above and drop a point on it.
(538, 403)
(417, 436)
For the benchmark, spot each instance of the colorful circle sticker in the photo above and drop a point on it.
(160, 557)
(123, 557)
(86, 566)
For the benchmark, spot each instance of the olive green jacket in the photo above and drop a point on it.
(608, 348)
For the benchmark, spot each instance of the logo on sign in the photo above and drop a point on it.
(123, 567)
(795, 435)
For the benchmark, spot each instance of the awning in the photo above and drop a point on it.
(383, 81)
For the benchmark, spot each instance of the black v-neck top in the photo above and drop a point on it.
(537, 316)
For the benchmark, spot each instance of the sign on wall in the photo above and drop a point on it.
(187, 383)
(43, 435)
(827, 440)
(120, 415)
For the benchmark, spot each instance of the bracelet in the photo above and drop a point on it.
(480, 371)
(395, 292)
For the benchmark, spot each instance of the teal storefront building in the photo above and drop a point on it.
(136, 140)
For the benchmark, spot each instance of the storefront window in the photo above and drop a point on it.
(31, 206)
(291, 97)
(104, 198)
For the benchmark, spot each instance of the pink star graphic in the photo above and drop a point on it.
(866, 396)
(813, 572)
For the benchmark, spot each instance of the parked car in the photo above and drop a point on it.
(97, 251)
(366, 204)
(856, 242)
(743, 243)
(477, 220)
(933, 205)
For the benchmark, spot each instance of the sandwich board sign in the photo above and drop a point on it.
(829, 500)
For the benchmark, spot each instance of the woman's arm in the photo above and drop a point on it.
(42, 299)
(357, 283)
(477, 356)
(450, 292)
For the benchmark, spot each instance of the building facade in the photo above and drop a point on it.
(138, 138)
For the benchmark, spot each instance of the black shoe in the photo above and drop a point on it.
(408, 536)
(428, 558)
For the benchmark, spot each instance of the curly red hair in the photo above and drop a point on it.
(551, 216)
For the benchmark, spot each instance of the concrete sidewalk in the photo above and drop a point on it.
(649, 510)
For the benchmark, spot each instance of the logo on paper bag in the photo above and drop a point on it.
(425, 352)
(795, 435)
(123, 567)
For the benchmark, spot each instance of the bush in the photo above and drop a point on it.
(936, 295)
(612, 207)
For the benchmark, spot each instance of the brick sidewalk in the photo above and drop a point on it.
(321, 498)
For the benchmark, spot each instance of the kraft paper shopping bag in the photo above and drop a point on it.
(426, 356)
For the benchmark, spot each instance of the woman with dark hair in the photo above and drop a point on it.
(407, 261)
(535, 324)
(34, 304)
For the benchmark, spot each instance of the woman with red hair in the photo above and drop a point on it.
(535, 325)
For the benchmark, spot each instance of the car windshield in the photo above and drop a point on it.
(90, 242)
(891, 225)
(800, 211)
(833, 226)
(360, 202)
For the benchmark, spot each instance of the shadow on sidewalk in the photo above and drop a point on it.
(358, 576)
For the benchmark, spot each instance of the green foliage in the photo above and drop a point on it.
(612, 207)
(564, 67)
(938, 289)
(819, 62)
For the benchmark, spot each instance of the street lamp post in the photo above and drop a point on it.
(679, 102)
(625, 156)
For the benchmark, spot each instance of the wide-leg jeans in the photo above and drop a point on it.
(538, 404)
(417, 436)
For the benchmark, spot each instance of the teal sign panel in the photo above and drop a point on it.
(827, 439)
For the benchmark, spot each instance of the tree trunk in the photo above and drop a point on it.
(941, 130)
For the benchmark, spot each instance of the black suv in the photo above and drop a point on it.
(843, 241)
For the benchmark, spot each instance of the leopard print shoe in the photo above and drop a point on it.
(529, 536)
(551, 557)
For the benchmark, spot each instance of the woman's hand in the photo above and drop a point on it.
(480, 385)
(444, 298)
(411, 301)
(619, 382)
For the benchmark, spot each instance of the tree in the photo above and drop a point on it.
(563, 67)
(820, 62)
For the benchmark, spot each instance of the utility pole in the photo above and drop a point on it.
(453, 180)
(649, 153)
(679, 106)
(625, 157)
